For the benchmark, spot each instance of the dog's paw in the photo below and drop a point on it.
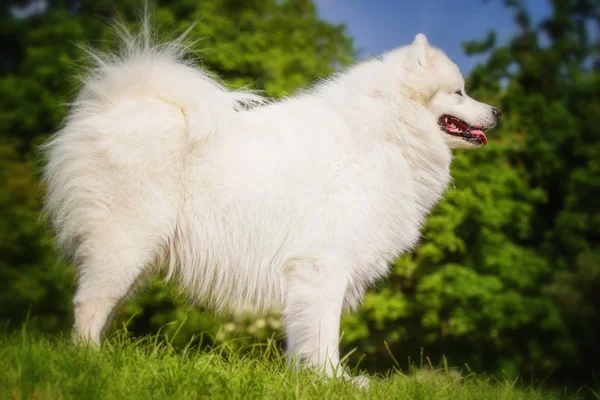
(361, 381)
(80, 340)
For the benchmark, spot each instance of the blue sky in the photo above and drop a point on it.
(380, 25)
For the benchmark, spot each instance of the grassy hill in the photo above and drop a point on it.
(33, 366)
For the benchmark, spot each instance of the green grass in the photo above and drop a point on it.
(36, 367)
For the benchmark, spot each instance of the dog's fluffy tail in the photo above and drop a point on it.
(135, 106)
(162, 71)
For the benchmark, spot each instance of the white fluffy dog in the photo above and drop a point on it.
(298, 204)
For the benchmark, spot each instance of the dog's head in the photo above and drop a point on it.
(434, 80)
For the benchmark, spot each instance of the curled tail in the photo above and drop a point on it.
(162, 70)
(134, 109)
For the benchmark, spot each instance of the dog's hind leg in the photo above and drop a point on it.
(313, 306)
(112, 264)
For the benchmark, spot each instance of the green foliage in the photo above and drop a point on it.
(31, 278)
(150, 368)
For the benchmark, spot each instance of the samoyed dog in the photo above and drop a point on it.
(249, 204)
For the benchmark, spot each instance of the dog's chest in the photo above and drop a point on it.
(398, 211)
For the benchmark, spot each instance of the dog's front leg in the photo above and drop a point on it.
(313, 306)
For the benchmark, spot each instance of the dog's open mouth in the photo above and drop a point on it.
(457, 127)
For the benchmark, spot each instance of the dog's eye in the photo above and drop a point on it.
(459, 92)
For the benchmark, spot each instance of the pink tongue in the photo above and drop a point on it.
(479, 134)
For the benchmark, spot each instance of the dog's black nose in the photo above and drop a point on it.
(497, 113)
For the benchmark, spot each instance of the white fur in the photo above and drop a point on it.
(298, 204)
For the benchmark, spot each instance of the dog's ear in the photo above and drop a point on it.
(420, 49)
